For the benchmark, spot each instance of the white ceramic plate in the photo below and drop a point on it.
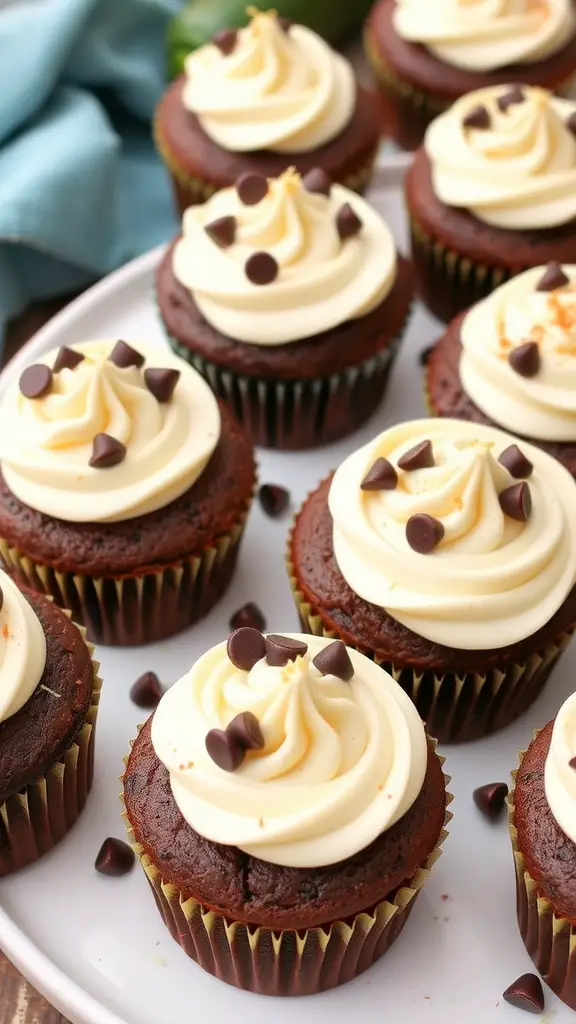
(96, 947)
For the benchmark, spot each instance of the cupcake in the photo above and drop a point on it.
(49, 693)
(260, 99)
(288, 295)
(510, 362)
(491, 193)
(542, 811)
(124, 489)
(427, 54)
(430, 552)
(286, 806)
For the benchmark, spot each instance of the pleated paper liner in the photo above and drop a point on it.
(143, 607)
(550, 940)
(33, 821)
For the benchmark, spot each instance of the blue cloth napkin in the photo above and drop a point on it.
(81, 189)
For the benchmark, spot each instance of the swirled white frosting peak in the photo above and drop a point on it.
(22, 649)
(322, 280)
(483, 35)
(492, 580)
(518, 173)
(46, 443)
(543, 406)
(285, 91)
(341, 762)
(559, 775)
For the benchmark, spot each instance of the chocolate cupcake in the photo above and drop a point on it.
(124, 489)
(509, 362)
(491, 193)
(258, 100)
(285, 787)
(49, 697)
(426, 55)
(289, 297)
(453, 567)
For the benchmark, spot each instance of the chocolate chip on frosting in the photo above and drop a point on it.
(317, 181)
(161, 382)
(419, 457)
(225, 40)
(334, 660)
(348, 222)
(285, 23)
(553, 278)
(516, 502)
(1, 599)
(571, 123)
(245, 729)
(245, 647)
(526, 993)
(282, 649)
(572, 763)
(224, 749)
(222, 231)
(511, 98)
(36, 381)
(424, 533)
(380, 477)
(67, 359)
(478, 117)
(123, 355)
(516, 462)
(107, 451)
(251, 188)
(525, 359)
(261, 268)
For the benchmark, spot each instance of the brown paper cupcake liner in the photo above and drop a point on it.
(141, 608)
(550, 939)
(33, 821)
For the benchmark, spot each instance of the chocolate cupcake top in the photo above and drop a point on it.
(483, 35)
(292, 748)
(104, 431)
(461, 535)
(508, 155)
(518, 362)
(22, 649)
(272, 261)
(560, 770)
(271, 85)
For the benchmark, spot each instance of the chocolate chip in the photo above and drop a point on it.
(67, 359)
(477, 118)
(1, 599)
(553, 278)
(161, 382)
(248, 615)
(511, 98)
(525, 359)
(222, 231)
(146, 692)
(224, 750)
(225, 40)
(380, 477)
(424, 355)
(285, 23)
(245, 730)
(516, 462)
(282, 649)
(572, 763)
(273, 499)
(114, 858)
(261, 268)
(334, 660)
(571, 123)
(348, 222)
(419, 457)
(106, 452)
(490, 799)
(516, 502)
(317, 181)
(245, 647)
(526, 993)
(36, 381)
(424, 533)
(123, 355)
(251, 188)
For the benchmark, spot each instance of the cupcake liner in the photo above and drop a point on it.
(34, 820)
(550, 939)
(140, 608)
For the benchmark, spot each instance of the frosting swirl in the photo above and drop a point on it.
(284, 91)
(22, 650)
(341, 762)
(518, 173)
(323, 280)
(543, 406)
(559, 776)
(487, 34)
(46, 442)
(492, 580)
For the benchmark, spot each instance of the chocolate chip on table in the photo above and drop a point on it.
(516, 502)
(285, 23)
(245, 647)
(525, 359)
(490, 799)
(146, 692)
(553, 278)
(222, 231)
(123, 355)
(225, 40)
(317, 181)
(251, 188)
(511, 98)
(261, 268)
(36, 381)
(419, 457)
(526, 993)
(224, 750)
(571, 123)
(248, 615)
(245, 730)
(348, 222)
(115, 858)
(516, 462)
(274, 499)
(334, 660)
(424, 533)
(161, 382)
(478, 117)
(282, 649)
(380, 477)
(67, 359)
(106, 452)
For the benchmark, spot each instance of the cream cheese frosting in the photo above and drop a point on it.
(492, 580)
(559, 775)
(22, 649)
(323, 280)
(487, 34)
(520, 171)
(543, 406)
(341, 761)
(284, 91)
(46, 443)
